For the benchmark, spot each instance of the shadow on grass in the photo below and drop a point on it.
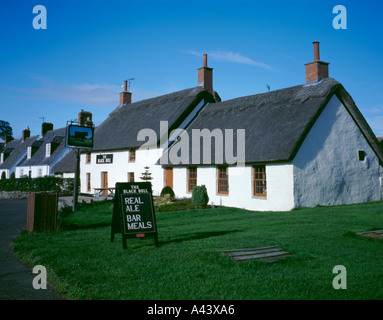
(197, 236)
(70, 227)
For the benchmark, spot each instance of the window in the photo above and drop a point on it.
(88, 186)
(29, 153)
(39, 172)
(259, 181)
(88, 157)
(48, 150)
(132, 155)
(192, 178)
(223, 180)
(130, 176)
(21, 172)
(361, 155)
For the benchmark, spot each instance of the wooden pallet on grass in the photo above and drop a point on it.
(267, 254)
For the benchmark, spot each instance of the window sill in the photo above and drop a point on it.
(259, 197)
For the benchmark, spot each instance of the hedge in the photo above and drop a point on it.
(49, 183)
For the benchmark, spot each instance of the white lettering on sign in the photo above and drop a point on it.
(139, 225)
(133, 200)
(134, 217)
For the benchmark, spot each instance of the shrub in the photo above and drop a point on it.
(169, 191)
(48, 183)
(200, 196)
(163, 200)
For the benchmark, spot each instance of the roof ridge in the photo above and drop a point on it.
(148, 100)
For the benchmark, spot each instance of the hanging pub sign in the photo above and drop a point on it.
(79, 136)
(133, 212)
(104, 158)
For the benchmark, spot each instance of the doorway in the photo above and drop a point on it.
(169, 177)
(104, 181)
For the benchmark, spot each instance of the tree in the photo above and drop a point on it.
(146, 176)
(5, 129)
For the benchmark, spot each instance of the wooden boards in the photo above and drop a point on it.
(267, 254)
(377, 234)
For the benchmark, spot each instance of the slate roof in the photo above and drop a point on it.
(120, 129)
(39, 158)
(17, 149)
(66, 165)
(277, 122)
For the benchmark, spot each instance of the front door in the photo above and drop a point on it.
(104, 181)
(169, 177)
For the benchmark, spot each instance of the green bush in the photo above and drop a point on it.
(200, 196)
(169, 191)
(48, 183)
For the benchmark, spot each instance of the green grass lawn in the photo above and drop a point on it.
(82, 263)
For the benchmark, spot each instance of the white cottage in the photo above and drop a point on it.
(43, 153)
(305, 146)
(14, 152)
(134, 136)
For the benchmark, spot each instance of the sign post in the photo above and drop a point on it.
(133, 212)
(78, 137)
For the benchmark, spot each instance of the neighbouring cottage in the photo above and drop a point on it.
(15, 152)
(135, 135)
(306, 145)
(43, 153)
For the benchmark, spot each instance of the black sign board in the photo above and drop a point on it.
(80, 136)
(104, 158)
(133, 212)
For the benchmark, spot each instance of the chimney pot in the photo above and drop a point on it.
(316, 50)
(205, 60)
(126, 85)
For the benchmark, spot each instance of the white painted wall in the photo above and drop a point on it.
(118, 170)
(34, 171)
(327, 170)
(7, 175)
(280, 196)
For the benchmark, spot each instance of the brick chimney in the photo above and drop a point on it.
(8, 139)
(85, 118)
(125, 96)
(317, 69)
(46, 126)
(26, 133)
(205, 76)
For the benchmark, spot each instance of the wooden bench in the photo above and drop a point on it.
(100, 192)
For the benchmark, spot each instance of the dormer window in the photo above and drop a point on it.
(29, 153)
(48, 150)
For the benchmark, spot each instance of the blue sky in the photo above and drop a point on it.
(90, 47)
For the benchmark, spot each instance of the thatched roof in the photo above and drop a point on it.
(120, 129)
(276, 122)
